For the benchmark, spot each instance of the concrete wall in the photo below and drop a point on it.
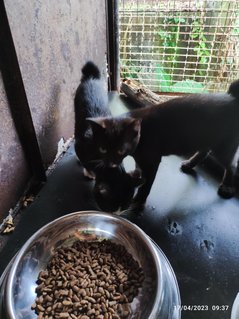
(53, 40)
(13, 169)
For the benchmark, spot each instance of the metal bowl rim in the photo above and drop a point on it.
(141, 233)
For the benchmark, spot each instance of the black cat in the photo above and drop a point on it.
(114, 188)
(194, 124)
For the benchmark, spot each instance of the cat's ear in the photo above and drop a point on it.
(135, 124)
(133, 129)
(97, 123)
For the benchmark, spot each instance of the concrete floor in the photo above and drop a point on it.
(196, 229)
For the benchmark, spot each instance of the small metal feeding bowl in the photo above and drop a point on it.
(157, 297)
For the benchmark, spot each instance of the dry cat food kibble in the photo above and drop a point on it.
(89, 280)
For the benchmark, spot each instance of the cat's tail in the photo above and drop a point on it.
(234, 89)
(90, 70)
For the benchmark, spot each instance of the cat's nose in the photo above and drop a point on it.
(113, 165)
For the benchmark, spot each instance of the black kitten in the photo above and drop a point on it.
(91, 100)
(114, 188)
(194, 124)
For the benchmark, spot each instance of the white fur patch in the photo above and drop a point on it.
(88, 174)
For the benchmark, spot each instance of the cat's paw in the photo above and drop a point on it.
(186, 167)
(226, 191)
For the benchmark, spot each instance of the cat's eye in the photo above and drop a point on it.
(121, 152)
(102, 150)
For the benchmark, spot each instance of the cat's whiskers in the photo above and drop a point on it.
(120, 212)
(97, 163)
(100, 165)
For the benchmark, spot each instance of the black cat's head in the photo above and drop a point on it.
(114, 138)
(114, 188)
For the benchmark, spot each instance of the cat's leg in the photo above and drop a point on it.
(237, 175)
(189, 164)
(149, 170)
(227, 187)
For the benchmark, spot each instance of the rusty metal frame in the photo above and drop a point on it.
(17, 99)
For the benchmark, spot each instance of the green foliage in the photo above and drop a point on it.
(169, 38)
(188, 86)
(169, 41)
(201, 49)
(163, 78)
(235, 30)
(167, 85)
(129, 69)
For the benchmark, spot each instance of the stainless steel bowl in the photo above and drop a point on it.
(159, 297)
